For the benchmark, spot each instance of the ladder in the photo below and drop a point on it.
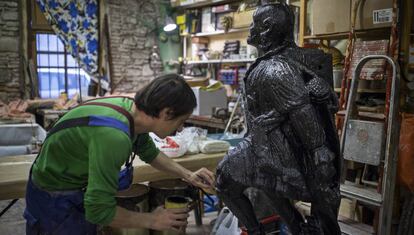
(374, 143)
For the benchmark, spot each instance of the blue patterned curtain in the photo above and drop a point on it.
(76, 24)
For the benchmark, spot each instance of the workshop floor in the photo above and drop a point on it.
(13, 223)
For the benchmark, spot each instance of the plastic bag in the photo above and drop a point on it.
(406, 152)
(178, 145)
(226, 224)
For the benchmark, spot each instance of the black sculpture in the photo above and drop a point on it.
(291, 150)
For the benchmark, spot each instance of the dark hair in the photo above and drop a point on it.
(166, 91)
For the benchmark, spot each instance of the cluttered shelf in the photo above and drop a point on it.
(218, 32)
(191, 4)
(221, 61)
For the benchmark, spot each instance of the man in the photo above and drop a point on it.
(75, 178)
(291, 150)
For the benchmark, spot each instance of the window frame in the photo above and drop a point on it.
(37, 24)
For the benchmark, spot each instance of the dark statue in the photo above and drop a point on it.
(291, 150)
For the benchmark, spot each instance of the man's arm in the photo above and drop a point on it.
(202, 178)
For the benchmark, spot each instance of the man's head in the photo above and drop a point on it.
(272, 26)
(169, 100)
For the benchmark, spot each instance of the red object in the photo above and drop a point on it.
(264, 221)
(171, 143)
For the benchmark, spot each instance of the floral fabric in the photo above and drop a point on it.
(76, 24)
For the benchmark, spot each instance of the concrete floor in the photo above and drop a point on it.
(13, 223)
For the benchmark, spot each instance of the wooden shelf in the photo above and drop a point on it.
(328, 36)
(344, 35)
(219, 32)
(364, 90)
(229, 61)
(205, 3)
(379, 116)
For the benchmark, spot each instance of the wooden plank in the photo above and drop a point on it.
(14, 171)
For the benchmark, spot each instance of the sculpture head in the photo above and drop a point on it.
(272, 27)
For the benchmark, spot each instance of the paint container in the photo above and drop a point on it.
(169, 193)
(160, 190)
(134, 199)
(177, 202)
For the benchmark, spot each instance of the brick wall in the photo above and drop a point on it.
(131, 42)
(9, 50)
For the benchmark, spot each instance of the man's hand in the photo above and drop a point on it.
(169, 219)
(202, 178)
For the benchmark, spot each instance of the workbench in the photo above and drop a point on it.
(14, 171)
(47, 117)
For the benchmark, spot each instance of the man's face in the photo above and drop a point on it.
(255, 30)
(166, 127)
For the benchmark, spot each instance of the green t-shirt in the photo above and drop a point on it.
(90, 157)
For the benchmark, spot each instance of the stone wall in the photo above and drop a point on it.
(9, 50)
(132, 42)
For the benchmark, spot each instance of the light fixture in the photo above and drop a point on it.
(170, 25)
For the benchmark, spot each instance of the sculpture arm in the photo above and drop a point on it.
(310, 132)
(289, 96)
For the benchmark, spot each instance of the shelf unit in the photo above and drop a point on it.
(219, 32)
(205, 3)
(228, 61)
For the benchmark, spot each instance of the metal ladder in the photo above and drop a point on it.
(374, 143)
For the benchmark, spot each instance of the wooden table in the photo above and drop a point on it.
(14, 171)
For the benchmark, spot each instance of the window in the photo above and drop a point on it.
(57, 70)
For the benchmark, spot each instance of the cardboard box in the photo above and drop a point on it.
(243, 19)
(331, 16)
(207, 100)
(374, 14)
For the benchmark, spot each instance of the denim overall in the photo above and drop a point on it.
(62, 212)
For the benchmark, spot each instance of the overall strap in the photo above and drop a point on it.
(120, 110)
(93, 120)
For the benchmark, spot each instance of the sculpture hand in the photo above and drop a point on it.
(324, 170)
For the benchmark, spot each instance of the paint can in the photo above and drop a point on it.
(170, 193)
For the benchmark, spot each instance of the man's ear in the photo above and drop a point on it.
(166, 114)
(267, 27)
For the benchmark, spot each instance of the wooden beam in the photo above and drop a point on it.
(302, 22)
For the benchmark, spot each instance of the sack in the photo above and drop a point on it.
(406, 152)
(226, 224)
(178, 145)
